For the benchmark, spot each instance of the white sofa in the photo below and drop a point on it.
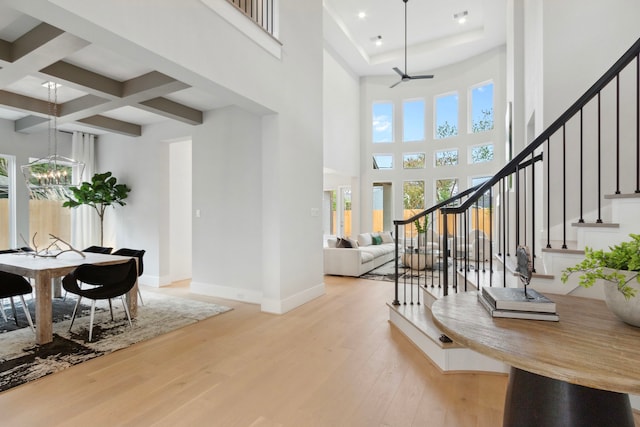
(356, 261)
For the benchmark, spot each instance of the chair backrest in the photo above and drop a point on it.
(114, 279)
(8, 251)
(138, 253)
(98, 250)
(12, 285)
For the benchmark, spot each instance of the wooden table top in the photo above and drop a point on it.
(589, 346)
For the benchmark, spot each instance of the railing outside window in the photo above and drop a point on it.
(259, 11)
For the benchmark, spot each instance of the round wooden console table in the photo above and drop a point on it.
(575, 372)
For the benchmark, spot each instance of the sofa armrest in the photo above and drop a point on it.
(342, 261)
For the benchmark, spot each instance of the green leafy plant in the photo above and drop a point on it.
(607, 265)
(421, 227)
(101, 192)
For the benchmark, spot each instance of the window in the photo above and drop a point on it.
(446, 189)
(413, 161)
(482, 108)
(481, 153)
(382, 122)
(446, 157)
(378, 208)
(382, 161)
(413, 120)
(46, 214)
(413, 195)
(446, 116)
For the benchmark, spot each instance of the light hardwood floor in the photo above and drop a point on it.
(335, 361)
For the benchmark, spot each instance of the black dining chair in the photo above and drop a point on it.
(109, 281)
(138, 253)
(13, 285)
(98, 250)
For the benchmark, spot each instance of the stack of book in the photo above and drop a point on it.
(513, 303)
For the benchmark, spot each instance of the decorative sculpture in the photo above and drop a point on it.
(525, 266)
(48, 252)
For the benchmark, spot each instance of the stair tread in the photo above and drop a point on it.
(595, 224)
(622, 196)
(420, 317)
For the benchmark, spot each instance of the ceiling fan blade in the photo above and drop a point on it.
(397, 70)
(395, 84)
(426, 76)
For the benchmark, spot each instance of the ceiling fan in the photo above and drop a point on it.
(404, 77)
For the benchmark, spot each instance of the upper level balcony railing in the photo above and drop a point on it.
(259, 11)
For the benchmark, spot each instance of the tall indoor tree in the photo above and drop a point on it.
(101, 192)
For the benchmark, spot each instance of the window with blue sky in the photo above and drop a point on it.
(383, 161)
(382, 122)
(482, 108)
(446, 115)
(447, 157)
(481, 153)
(413, 120)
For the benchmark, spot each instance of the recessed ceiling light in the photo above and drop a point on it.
(379, 41)
(52, 85)
(362, 15)
(461, 17)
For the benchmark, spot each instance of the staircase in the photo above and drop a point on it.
(576, 185)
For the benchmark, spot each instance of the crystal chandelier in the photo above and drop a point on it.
(50, 177)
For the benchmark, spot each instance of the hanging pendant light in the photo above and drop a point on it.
(50, 177)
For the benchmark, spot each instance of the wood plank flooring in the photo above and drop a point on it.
(335, 361)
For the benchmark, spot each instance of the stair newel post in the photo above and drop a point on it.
(564, 187)
(445, 253)
(638, 123)
(490, 233)
(517, 208)
(548, 150)
(396, 300)
(533, 212)
(581, 220)
(599, 195)
(618, 134)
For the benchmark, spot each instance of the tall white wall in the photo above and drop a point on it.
(341, 114)
(579, 43)
(458, 77)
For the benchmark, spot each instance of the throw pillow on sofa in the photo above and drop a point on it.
(386, 237)
(377, 240)
(343, 243)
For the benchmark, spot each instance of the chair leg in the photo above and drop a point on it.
(4, 315)
(75, 310)
(140, 295)
(26, 312)
(93, 310)
(111, 309)
(126, 309)
(13, 308)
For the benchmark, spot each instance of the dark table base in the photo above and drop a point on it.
(534, 401)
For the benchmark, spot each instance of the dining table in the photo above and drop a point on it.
(47, 272)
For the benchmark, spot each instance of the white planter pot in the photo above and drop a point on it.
(627, 310)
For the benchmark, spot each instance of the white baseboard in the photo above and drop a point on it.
(234, 294)
(154, 281)
(282, 306)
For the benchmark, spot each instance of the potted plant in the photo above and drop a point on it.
(619, 266)
(101, 192)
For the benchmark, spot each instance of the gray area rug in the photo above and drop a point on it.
(386, 272)
(21, 360)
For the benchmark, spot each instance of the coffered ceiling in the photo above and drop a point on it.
(99, 90)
